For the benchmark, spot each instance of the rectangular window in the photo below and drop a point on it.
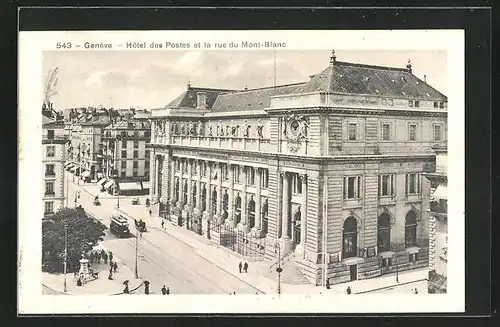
(124, 164)
(136, 154)
(50, 134)
(49, 207)
(124, 144)
(225, 175)
(146, 164)
(264, 180)
(386, 132)
(410, 103)
(136, 164)
(124, 154)
(412, 132)
(352, 187)
(437, 132)
(185, 166)
(51, 151)
(413, 183)
(49, 169)
(441, 105)
(236, 173)
(386, 262)
(417, 104)
(136, 144)
(203, 168)
(251, 176)
(49, 188)
(296, 184)
(124, 134)
(134, 173)
(148, 153)
(123, 174)
(353, 130)
(136, 134)
(147, 134)
(386, 185)
(413, 257)
(435, 104)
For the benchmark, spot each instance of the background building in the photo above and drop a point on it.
(330, 170)
(55, 149)
(438, 222)
(125, 157)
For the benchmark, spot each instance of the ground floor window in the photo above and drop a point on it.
(384, 232)
(350, 238)
(386, 262)
(49, 207)
(411, 229)
(413, 257)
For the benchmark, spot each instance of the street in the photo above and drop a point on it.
(162, 259)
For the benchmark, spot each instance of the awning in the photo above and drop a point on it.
(101, 181)
(73, 169)
(146, 185)
(67, 164)
(100, 175)
(70, 166)
(86, 173)
(130, 186)
(441, 192)
(109, 183)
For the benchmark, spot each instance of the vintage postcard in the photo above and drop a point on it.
(241, 172)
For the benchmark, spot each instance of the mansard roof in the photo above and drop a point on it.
(352, 78)
(188, 98)
(253, 99)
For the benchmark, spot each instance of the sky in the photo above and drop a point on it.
(151, 79)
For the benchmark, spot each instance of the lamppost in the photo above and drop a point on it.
(279, 269)
(397, 270)
(77, 196)
(65, 255)
(136, 250)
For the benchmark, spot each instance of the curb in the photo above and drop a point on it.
(68, 293)
(62, 293)
(130, 291)
(390, 286)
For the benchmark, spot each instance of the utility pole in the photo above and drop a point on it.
(397, 270)
(136, 250)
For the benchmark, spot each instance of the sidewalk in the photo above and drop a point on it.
(228, 261)
(100, 286)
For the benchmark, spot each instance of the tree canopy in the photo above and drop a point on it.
(83, 232)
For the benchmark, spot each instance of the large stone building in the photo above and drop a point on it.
(125, 157)
(55, 151)
(330, 170)
(438, 222)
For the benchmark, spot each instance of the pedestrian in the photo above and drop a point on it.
(168, 291)
(328, 284)
(103, 253)
(146, 287)
(240, 266)
(98, 256)
(163, 290)
(79, 282)
(150, 212)
(348, 291)
(105, 258)
(115, 267)
(162, 224)
(245, 267)
(110, 256)
(125, 290)
(416, 292)
(234, 293)
(91, 257)
(110, 276)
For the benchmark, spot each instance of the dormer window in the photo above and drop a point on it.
(417, 104)
(441, 104)
(201, 101)
(410, 103)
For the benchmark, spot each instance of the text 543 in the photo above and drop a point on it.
(64, 45)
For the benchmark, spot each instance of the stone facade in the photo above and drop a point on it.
(332, 176)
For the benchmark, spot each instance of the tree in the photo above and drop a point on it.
(83, 233)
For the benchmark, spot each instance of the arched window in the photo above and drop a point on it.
(384, 232)
(411, 229)
(225, 200)
(204, 198)
(194, 189)
(251, 212)
(350, 238)
(176, 190)
(237, 206)
(296, 226)
(264, 217)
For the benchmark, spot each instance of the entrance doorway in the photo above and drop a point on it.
(354, 272)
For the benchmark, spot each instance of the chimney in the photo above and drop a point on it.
(408, 66)
(188, 85)
(425, 78)
(246, 87)
(333, 58)
(201, 100)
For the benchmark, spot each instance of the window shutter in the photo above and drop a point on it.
(417, 176)
(345, 188)
(359, 186)
(379, 185)
(392, 184)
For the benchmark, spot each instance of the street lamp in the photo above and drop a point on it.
(397, 270)
(77, 196)
(279, 269)
(65, 256)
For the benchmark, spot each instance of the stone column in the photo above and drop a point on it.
(157, 162)
(300, 248)
(172, 183)
(230, 192)
(257, 229)
(189, 204)
(219, 192)
(244, 205)
(285, 238)
(181, 184)
(198, 211)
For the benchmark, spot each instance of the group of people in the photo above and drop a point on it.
(97, 256)
(164, 290)
(243, 267)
